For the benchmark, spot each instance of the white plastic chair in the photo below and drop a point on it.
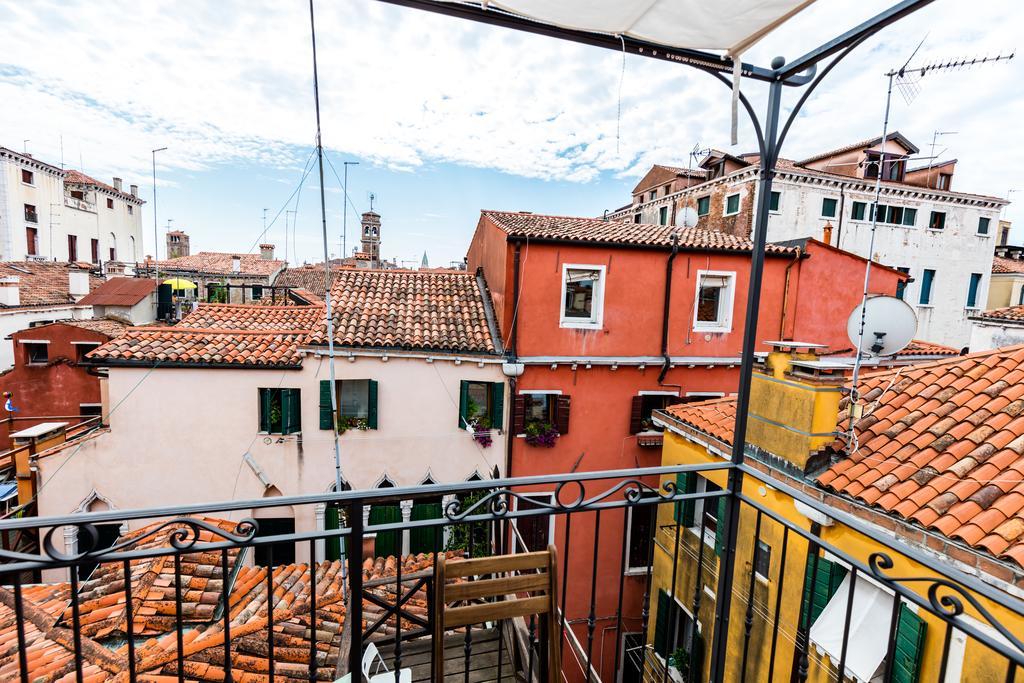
(380, 673)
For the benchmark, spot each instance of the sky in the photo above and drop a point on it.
(447, 117)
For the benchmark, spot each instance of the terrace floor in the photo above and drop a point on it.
(483, 663)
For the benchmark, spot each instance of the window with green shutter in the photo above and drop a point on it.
(720, 525)
(661, 623)
(910, 632)
(388, 543)
(280, 411)
(356, 400)
(422, 539)
(819, 587)
(481, 404)
(686, 482)
(332, 521)
(325, 405)
(704, 205)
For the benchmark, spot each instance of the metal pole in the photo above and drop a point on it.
(156, 243)
(727, 564)
(867, 268)
(327, 260)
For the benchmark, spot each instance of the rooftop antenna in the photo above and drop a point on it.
(935, 136)
(24, 146)
(372, 197)
(907, 80)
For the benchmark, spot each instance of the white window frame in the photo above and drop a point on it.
(698, 513)
(822, 209)
(774, 212)
(623, 654)
(706, 394)
(739, 204)
(725, 306)
(977, 230)
(638, 571)
(697, 206)
(696, 622)
(596, 320)
(538, 495)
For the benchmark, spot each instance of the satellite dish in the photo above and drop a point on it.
(889, 325)
(686, 217)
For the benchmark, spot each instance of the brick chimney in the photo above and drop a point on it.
(794, 406)
(267, 252)
(827, 233)
(134, 190)
(236, 264)
(117, 184)
(10, 291)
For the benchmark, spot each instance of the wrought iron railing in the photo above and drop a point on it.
(199, 560)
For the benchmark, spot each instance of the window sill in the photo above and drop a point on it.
(926, 305)
(579, 325)
(727, 215)
(714, 330)
(636, 571)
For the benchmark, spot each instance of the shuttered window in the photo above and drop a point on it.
(481, 404)
(819, 587)
(910, 632)
(720, 525)
(686, 482)
(280, 411)
(356, 399)
(332, 521)
(661, 623)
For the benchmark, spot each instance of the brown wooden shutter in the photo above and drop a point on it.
(518, 414)
(636, 414)
(562, 405)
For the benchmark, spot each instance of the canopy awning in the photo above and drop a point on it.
(868, 640)
(731, 26)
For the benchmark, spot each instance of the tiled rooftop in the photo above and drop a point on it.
(309, 277)
(107, 326)
(568, 228)
(183, 345)
(396, 309)
(120, 291)
(43, 283)
(942, 444)
(918, 347)
(1001, 264)
(245, 317)
(74, 177)
(716, 417)
(1010, 314)
(218, 263)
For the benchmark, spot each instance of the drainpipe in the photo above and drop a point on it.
(839, 225)
(664, 312)
(785, 294)
(513, 345)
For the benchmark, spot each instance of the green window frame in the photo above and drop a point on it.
(972, 290)
(280, 411)
(387, 543)
(421, 539)
(661, 621)
(858, 210)
(901, 286)
(372, 391)
(683, 512)
(720, 524)
(819, 587)
(983, 225)
(927, 280)
(663, 216)
(937, 220)
(704, 205)
(732, 204)
(829, 207)
(910, 634)
(773, 201)
(493, 394)
(909, 217)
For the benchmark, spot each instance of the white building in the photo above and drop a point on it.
(944, 239)
(997, 328)
(51, 214)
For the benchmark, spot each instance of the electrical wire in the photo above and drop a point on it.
(306, 170)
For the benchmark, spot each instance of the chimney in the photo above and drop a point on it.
(135, 190)
(78, 283)
(794, 408)
(267, 252)
(117, 184)
(10, 291)
(827, 236)
(236, 264)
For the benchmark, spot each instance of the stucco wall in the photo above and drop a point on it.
(18, 319)
(986, 336)
(1004, 290)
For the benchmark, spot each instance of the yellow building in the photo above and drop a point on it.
(909, 481)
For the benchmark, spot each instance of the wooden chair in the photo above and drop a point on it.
(540, 580)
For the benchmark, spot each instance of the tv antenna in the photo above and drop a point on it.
(907, 79)
(372, 197)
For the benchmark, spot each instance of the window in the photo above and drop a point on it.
(663, 216)
(78, 194)
(257, 292)
(113, 254)
(90, 409)
(280, 411)
(927, 279)
(643, 407)
(636, 218)
(481, 404)
(937, 221)
(582, 296)
(713, 310)
(972, 290)
(763, 560)
(72, 247)
(901, 286)
(543, 409)
(829, 207)
(675, 630)
(945, 180)
(704, 205)
(536, 531)
(28, 177)
(31, 241)
(94, 245)
(82, 348)
(641, 522)
(858, 210)
(983, 224)
(110, 203)
(896, 215)
(909, 217)
(30, 213)
(539, 408)
(37, 353)
(653, 194)
(1004, 234)
(732, 204)
(773, 201)
(356, 401)
(274, 554)
(131, 209)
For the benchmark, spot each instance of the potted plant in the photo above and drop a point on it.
(679, 664)
(347, 423)
(481, 432)
(541, 434)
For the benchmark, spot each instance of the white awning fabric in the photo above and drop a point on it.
(731, 26)
(869, 620)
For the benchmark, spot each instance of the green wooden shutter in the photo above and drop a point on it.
(332, 521)
(497, 405)
(910, 632)
(291, 411)
(371, 410)
(819, 588)
(265, 410)
(661, 624)
(686, 482)
(722, 503)
(325, 405)
(389, 543)
(421, 540)
(463, 404)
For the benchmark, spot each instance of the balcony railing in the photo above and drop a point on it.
(186, 592)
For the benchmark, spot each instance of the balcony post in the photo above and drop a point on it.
(446, 530)
(406, 506)
(320, 514)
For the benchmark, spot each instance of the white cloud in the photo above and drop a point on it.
(231, 82)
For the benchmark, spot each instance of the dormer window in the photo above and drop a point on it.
(892, 166)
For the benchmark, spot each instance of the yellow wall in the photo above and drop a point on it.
(980, 663)
(1004, 290)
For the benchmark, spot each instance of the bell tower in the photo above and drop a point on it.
(370, 236)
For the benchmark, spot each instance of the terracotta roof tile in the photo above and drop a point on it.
(310, 277)
(44, 283)
(170, 346)
(1001, 264)
(396, 309)
(217, 263)
(251, 318)
(120, 291)
(74, 177)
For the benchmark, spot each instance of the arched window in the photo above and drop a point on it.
(131, 246)
(388, 543)
(113, 247)
(274, 521)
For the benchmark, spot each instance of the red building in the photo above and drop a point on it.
(48, 380)
(612, 320)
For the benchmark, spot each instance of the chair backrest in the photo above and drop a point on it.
(537, 576)
(369, 654)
